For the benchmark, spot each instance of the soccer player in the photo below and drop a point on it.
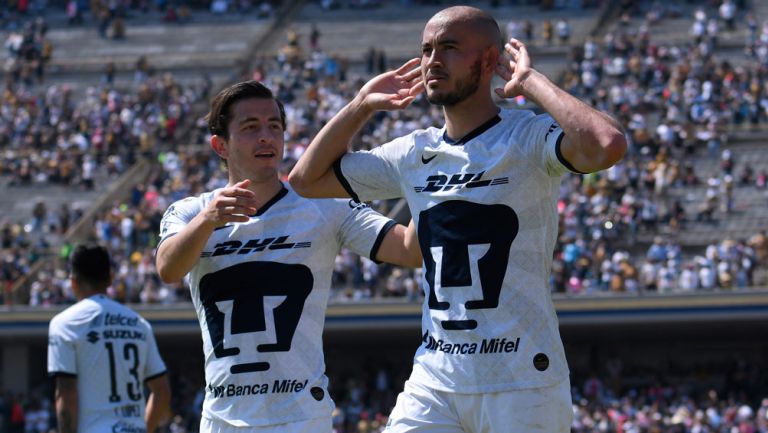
(259, 260)
(482, 191)
(102, 355)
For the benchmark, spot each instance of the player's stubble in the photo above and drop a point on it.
(465, 87)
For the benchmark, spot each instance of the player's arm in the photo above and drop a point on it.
(179, 253)
(313, 174)
(593, 140)
(66, 403)
(158, 409)
(401, 247)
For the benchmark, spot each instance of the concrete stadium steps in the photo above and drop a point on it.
(124, 81)
(189, 50)
(676, 31)
(17, 202)
(396, 29)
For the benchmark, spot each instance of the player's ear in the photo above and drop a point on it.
(219, 145)
(491, 58)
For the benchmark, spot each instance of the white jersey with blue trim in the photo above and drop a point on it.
(111, 351)
(485, 208)
(260, 289)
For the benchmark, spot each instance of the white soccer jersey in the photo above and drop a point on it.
(112, 352)
(260, 290)
(485, 208)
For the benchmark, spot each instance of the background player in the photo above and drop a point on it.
(260, 259)
(482, 191)
(102, 354)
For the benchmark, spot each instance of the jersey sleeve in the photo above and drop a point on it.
(542, 138)
(154, 366)
(373, 175)
(62, 359)
(178, 215)
(362, 229)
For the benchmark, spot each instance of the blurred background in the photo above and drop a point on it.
(660, 274)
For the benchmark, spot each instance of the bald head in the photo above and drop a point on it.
(478, 20)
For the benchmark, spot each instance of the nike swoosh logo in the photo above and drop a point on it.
(427, 160)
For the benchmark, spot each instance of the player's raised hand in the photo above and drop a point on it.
(515, 70)
(232, 204)
(394, 90)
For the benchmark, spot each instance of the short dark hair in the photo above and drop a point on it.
(220, 115)
(90, 264)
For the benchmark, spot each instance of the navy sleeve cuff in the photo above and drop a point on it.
(61, 374)
(380, 238)
(561, 158)
(343, 180)
(155, 376)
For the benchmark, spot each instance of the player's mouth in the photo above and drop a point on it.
(434, 79)
(265, 154)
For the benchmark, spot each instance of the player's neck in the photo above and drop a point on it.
(264, 190)
(468, 115)
(86, 293)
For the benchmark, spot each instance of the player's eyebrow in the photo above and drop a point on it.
(257, 119)
(440, 43)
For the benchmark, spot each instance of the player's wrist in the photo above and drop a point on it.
(361, 106)
(532, 82)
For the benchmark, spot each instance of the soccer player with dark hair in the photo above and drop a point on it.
(259, 260)
(102, 355)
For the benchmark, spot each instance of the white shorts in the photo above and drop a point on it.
(315, 425)
(536, 410)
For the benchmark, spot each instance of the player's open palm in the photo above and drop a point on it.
(394, 90)
(515, 70)
(232, 204)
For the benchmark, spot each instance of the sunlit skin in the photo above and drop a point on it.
(451, 62)
(459, 57)
(254, 147)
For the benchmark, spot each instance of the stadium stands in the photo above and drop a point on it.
(685, 211)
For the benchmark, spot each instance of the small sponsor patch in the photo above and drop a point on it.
(317, 393)
(540, 362)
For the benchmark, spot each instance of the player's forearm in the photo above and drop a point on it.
(178, 254)
(595, 139)
(156, 412)
(66, 410)
(158, 408)
(330, 144)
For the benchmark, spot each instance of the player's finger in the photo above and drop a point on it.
(237, 210)
(500, 92)
(417, 88)
(504, 71)
(514, 51)
(408, 65)
(234, 191)
(515, 42)
(412, 74)
(235, 219)
(402, 103)
(235, 201)
(245, 183)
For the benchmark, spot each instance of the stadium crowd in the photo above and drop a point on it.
(677, 103)
(728, 401)
(53, 135)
